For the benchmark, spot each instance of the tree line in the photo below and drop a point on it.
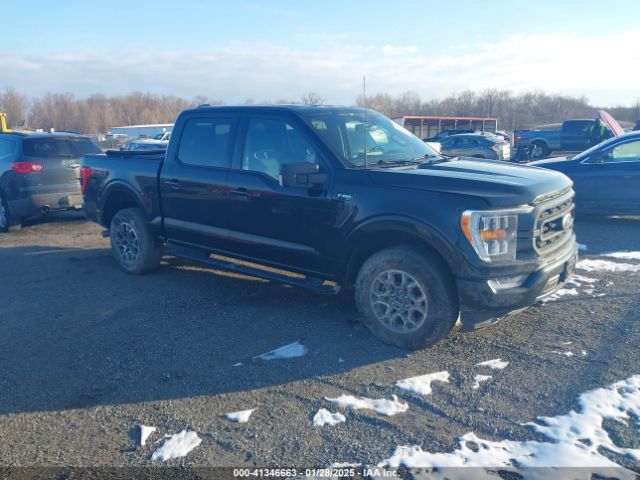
(513, 111)
(98, 113)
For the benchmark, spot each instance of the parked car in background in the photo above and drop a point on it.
(476, 145)
(146, 145)
(505, 136)
(446, 133)
(572, 136)
(606, 178)
(162, 136)
(39, 173)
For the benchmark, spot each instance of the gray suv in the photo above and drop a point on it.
(39, 173)
(477, 145)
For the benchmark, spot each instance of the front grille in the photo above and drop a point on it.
(554, 225)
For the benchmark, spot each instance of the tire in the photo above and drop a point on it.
(397, 274)
(539, 150)
(132, 244)
(8, 223)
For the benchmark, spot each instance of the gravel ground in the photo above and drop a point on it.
(87, 353)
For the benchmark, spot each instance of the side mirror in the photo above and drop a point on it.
(598, 157)
(302, 175)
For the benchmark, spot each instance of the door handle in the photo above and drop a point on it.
(173, 183)
(240, 192)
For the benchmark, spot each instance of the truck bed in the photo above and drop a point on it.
(137, 171)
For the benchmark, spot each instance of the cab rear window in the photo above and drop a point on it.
(7, 147)
(58, 147)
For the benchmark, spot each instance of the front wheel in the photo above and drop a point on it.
(406, 297)
(8, 222)
(133, 246)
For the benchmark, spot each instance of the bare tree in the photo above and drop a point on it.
(15, 105)
(312, 98)
(99, 113)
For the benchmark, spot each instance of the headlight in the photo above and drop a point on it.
(493, 234)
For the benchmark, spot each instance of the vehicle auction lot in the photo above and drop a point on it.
(89, 353)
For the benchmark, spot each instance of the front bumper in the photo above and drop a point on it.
(481, 302)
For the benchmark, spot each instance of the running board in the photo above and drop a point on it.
(315, 284)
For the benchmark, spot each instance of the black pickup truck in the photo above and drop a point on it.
(340, 199)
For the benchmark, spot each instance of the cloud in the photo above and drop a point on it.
(602, 67)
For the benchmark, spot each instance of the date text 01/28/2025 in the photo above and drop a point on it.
(339, 472)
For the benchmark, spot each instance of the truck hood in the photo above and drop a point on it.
(500, 184)
(611, 122)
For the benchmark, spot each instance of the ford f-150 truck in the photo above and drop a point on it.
(340, 199)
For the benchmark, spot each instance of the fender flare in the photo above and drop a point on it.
(426, 234)
(119, 186)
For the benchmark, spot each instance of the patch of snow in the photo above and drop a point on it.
(241, 416)
(496, 364)
(599, 265)
(178, 445)
(381, 406)
(582, 247)
(325, 417)
(566, 354)
(582, 279)
(480, 378)
(422, 384)
(576, 440)
(584, 353)
(145, 431)
(623, 255)
(292, 350)
(563, 292)
(239, 364)
(571, 288)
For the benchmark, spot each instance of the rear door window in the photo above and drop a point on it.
(207, 142)
(580, 128)
(58, 147)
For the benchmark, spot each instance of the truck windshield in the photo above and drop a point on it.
(358, 138)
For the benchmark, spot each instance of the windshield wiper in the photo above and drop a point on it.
(394, 163)
(431, 158)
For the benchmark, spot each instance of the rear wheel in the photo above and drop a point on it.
(8, 223)
(539, 150)
(406, 297)
(132, 244)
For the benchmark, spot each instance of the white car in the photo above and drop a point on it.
(146, 144)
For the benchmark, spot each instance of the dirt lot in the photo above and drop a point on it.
(88, 353)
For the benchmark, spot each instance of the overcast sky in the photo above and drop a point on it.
(267, 50)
